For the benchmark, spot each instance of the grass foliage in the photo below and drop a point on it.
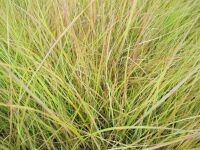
(99, 74)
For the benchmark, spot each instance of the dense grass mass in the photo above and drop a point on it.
(99, 74)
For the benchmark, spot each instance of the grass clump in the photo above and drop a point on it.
(99, 74)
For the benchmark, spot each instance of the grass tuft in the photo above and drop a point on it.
(99, 74)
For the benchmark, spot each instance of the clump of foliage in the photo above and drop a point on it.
(99, 74)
